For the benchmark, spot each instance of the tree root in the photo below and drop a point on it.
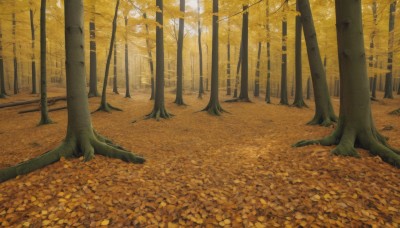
(300, 104)
(45, 121)
(159, 113)
(239, 100)
(214, 109)
(395, 112)
(323, 120)
(86, 145)
(93, 94)
(107, 108)
(179, 102)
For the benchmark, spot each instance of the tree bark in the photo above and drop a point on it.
(127, 92)
(244, 82)
(16, 86)
(3, 93)
(115, 80)
(179, 61)
(324, 113)
(389, 74)
(81, 139)
(355, 127)
(33, 53)
(268, 86)
(93, 55)
(257, 78)
(238, 67)
(201, 86)
(228, 65)
(214, 107)
(284, 96)
(150, 59)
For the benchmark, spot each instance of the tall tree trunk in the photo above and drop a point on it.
(355, 127)
(208, 72)
(238, 67)
(284, 96)
(81, 139)
(308, 88)
(127, 92)
(324, 113)
(244, 82)
(228, 65)
(33, 53)
(43, 81)
(389, 74)
(298, 98)
(257, 79)
(104, 106)
(16, 87)
(372, 60)
(93, 55)
(214, 107)
(115, 80)
(159, 110)
(150, 58)
(201, 86)
(179, 60)
(268, 86)
(2, 82)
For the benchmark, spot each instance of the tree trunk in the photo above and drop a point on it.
(179, 60)
(372, 58)
(355, 127)
(104, 106)
(33, 53)
(298, 98)
(239, 64)
(2, 83)
(115, 81)
(201, 86)
(93, 55)
(16, 87)
(308, 88)
(284, 97)
(244, 82)
(159, 110)
(150, 58)
(324, 113)
(257, 79)
(43, 81)
(268, 86)
(228, 65)
(389, 74)
(214, 107)
(81, 139)
(127, 92)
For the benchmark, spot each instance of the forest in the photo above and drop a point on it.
(199, 113)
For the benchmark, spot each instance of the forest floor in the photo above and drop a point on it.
(237, 170)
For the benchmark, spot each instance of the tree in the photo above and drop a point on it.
(33, 51)
(238, 67)
(389, 74)
(150, 58)
(14, 24)
(159, 110)
(257, 78)
(284, 97)
(45, 119)
(268, 86)
(373, 63)
(298, 98)
(2, 83)
(228, 65)
(179, 54)
(355, 126)
(81, 139)
(93, 55)
(115, 81)
(104, 106)
(127, 92)
(214, 107)
(324, 114)
(201, 86)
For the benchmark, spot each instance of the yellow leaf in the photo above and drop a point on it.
(27, 224)
(316, 197)
(105, 222)
(172, 225)
(263, 202)
(46, 222)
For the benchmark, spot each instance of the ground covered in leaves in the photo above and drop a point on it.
(235, 170)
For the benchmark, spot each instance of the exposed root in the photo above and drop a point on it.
(239, 100)
(179, 102)
(128, 96)
(300, 104)
(45, 121)
(107, 108)
(87, 145)
(395, 112)
(214, 109)
(345, 149)
(323, 120)
(159, 113)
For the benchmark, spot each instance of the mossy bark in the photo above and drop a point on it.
(159, 110)
(214, 107)
(179, 60)
(81, 139)
(298, 98)
(104, 106)
(44, 113)
(34, 91)
(93, 92)
(324, 113)
(355, 126)
(201, 86)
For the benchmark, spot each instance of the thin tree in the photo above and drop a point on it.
(45, 119)
(33, 51)
(214, 107)
(179, 54)
(284, 96)
(389, 74)
(150, 58)
(159, 110)
(298, 98)
(14, 24)
(81, 139)
(238, 67)
(104, 106)
(257, 78)
(373, 63)
(268, 86)
(115, 80)
(3, 93)
(127, 92)
(355, 127)
(201, 86)
(324, 113)
(93, 55)
(228, 65)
